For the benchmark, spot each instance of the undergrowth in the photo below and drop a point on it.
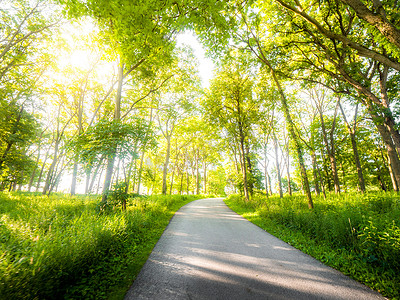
(356, 234)
(61, 247)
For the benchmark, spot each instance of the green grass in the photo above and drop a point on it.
(59, 247)
(356, 234)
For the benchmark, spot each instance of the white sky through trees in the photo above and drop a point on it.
(206, 65)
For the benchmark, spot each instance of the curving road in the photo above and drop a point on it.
(210, 252)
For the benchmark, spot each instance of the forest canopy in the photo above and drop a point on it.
(304, 97)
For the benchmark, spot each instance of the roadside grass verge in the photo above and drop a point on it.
(356, 234)
(60, 247)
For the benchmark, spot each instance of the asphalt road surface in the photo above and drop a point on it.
(210, 252)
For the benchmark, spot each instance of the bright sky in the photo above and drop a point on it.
(206, 65)
(84, 58)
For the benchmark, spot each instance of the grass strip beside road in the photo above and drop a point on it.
(61, 247)
(357, 250)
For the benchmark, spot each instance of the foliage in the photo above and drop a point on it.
(217, 181)
(18, 130)
(105, 136)
(117, 198)
(358, 235)
(59, 247)
(293, 185)
(231, 106)
(24, 27)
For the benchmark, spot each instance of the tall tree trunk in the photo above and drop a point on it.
(57, 172)
(266, 182)
(388, 115)
(237, 164)
(244, 168)
(143, 152)
(34, 170)
(51, 169)
(20, 184)
(352, 133)
(165, 167)
(116, 175)
(266, 172)
(88, 172)
(98, 182)
(278, 168)
(193, 168)
(205, 177)
(288, 171)
(74, 177)
(37, 162)
(181, 188)
(250, 170)
(314, 164)
(361, 181)
(291, 128)
(379, 110)
(172, 180)
(140, 171)
(94, 176)
(129, 175)
(269, 184)
(42, 169)
(292, 131)
(380, 175)
(394, 162)
(326, 169)
(330, 150)
(14, 186)
(80, 115)
(117, 117)
(187, 180)
(108, 176)
(392, 175)
(321, 180)
(197, 173)
(55, 183)
(381, 182)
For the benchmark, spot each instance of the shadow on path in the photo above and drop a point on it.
(210, 252)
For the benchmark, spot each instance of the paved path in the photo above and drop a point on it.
(210, 252)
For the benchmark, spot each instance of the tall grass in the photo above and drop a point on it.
(357, 234)
(58, 247)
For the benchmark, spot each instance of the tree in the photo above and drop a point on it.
(352, 132)
(104, 137)
(383, 16)
(345, 56)
(319, 97)
(24, 29)
(252, 38)
(217, 181)
(141, 33)
(170, 116)
(230, 105)
(62, 123)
